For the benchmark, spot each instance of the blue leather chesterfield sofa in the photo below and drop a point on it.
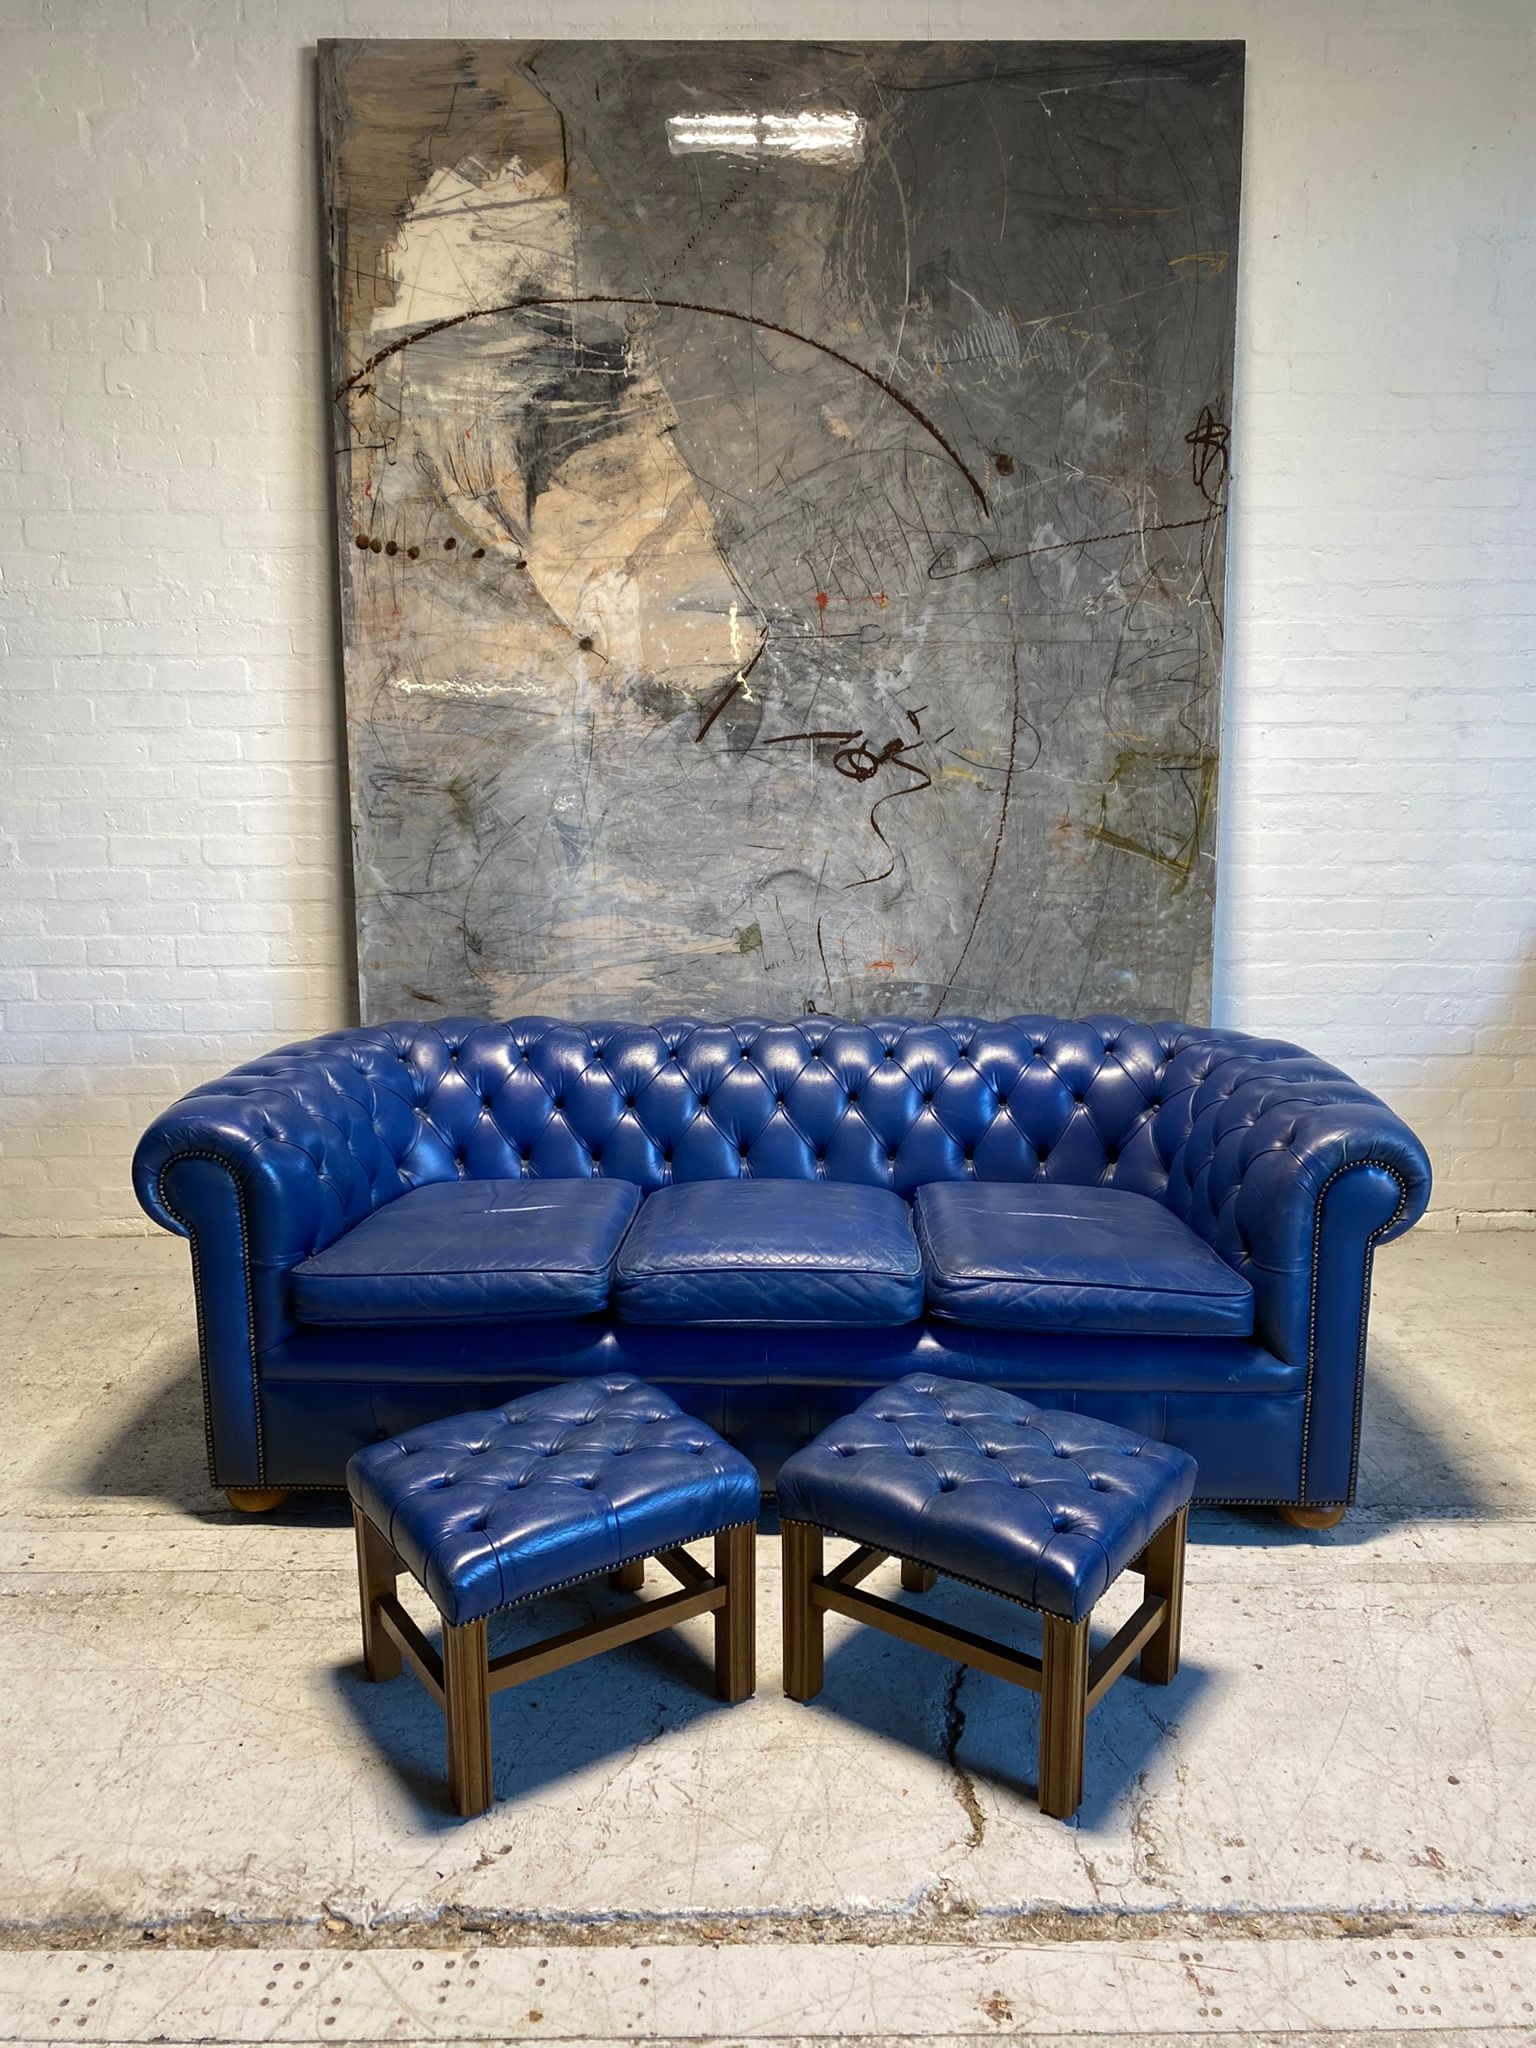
(1166, 1226)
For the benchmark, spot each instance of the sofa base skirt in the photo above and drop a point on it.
(1248, 1446)
(491, 1355)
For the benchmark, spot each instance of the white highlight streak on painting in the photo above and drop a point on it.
(813, 138)
(409, 686)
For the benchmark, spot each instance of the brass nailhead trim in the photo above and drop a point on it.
(981, 1586)
(602, 1571)
(218, 1160)
(1371, 1242)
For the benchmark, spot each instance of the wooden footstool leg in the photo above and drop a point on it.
(378, 1570)
(803, 1622)
(1063, 1716)
(736, 1621)
(917, 1578)
(467, 1708)
(629, 1578)
(1164, 1569)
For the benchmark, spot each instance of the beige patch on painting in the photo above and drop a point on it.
(598, 552)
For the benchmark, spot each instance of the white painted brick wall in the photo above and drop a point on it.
(171, 838)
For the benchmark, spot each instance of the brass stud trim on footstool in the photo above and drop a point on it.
(1069, 1678)
(462, 1678)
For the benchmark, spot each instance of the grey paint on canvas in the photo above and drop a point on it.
(782, 493)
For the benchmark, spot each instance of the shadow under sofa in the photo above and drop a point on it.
(1168, 1226)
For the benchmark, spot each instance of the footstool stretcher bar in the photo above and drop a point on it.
(1045, 1508)
(1069, 1680)
(576, 1482)
(462, 1679)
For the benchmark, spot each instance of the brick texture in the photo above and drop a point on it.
(172, 837)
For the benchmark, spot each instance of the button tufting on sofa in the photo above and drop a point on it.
(1265, 1153)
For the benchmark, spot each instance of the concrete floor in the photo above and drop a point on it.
(212, 1829)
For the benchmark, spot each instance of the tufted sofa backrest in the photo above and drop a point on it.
(888, 1102)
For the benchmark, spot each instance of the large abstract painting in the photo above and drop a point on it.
(782, 493)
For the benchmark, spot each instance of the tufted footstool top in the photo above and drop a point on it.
(565, 1484)
(1042, 1506)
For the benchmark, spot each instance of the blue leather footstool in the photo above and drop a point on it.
(1047, 1509)
(579, 1481)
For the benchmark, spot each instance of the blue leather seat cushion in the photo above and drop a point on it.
(1031, 1257)
(786, 1253)
(505, 1503)
(1043, 1506)
(472, 1251)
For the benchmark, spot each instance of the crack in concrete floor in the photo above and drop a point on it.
(1450, 1398)
(964, 1784)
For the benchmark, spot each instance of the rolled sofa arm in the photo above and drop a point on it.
(259, 1170)
(1294, 1174)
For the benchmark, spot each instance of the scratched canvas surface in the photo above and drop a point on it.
(782, 497)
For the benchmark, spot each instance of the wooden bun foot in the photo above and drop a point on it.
(1312, 1518)
(255, 1500)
